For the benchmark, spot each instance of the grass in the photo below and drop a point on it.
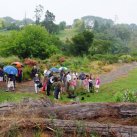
(16, 97)
(5, 32)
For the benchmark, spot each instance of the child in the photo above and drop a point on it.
(97, 84)
(36, 83)
(73, 83)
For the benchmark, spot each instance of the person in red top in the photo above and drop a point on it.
(97, 84)
(73, 84)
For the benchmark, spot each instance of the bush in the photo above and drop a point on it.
(107, 68)
(126, 58)
(30, 62)
(31, 41)
(127, 96)
(108, 58)
(26, 73)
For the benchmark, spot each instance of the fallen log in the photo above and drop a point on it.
(45, 109)
(71, 126)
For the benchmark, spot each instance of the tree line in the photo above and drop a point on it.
(94, 35)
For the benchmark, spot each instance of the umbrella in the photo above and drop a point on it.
(63, 68)
(54, 69)
(10, 70)
(17, 64)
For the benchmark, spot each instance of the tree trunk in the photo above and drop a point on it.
(71, 126)
(74, 111)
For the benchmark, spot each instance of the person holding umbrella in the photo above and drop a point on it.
(11, 71)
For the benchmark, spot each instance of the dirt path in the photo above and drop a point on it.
(120, 71)
(20, 87)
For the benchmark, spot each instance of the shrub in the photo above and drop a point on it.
(126, 58)
(30, 62)
(31, 41)
(108, 58)
(126, 96)
(107, 68)
(27, 72)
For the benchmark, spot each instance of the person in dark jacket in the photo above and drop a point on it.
(49, 84)
(34, 71)
(57, 84)
(19, 78)
(1, 74)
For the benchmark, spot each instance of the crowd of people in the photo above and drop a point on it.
(63, 81)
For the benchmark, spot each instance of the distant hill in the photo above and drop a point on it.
(91, 20)
(9, 20)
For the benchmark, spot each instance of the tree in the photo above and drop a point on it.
(82, 42)
(123, 32)
(38, 13)
(62, 25)
(79, 25)
(49, 24)
(2, 23)
(106, 44)
(32, 41)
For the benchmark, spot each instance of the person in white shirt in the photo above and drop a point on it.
(68, 79)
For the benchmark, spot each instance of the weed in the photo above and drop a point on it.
(13, 132)
(80, 129)
(37, 131)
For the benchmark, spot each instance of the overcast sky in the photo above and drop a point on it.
(125, 11)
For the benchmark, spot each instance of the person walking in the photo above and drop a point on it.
(36, 83)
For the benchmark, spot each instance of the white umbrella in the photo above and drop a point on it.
(63, 68)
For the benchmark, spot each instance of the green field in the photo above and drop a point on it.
(16, 97)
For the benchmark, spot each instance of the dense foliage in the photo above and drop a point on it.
(82, 42)
(88, 36)
(31, 41)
